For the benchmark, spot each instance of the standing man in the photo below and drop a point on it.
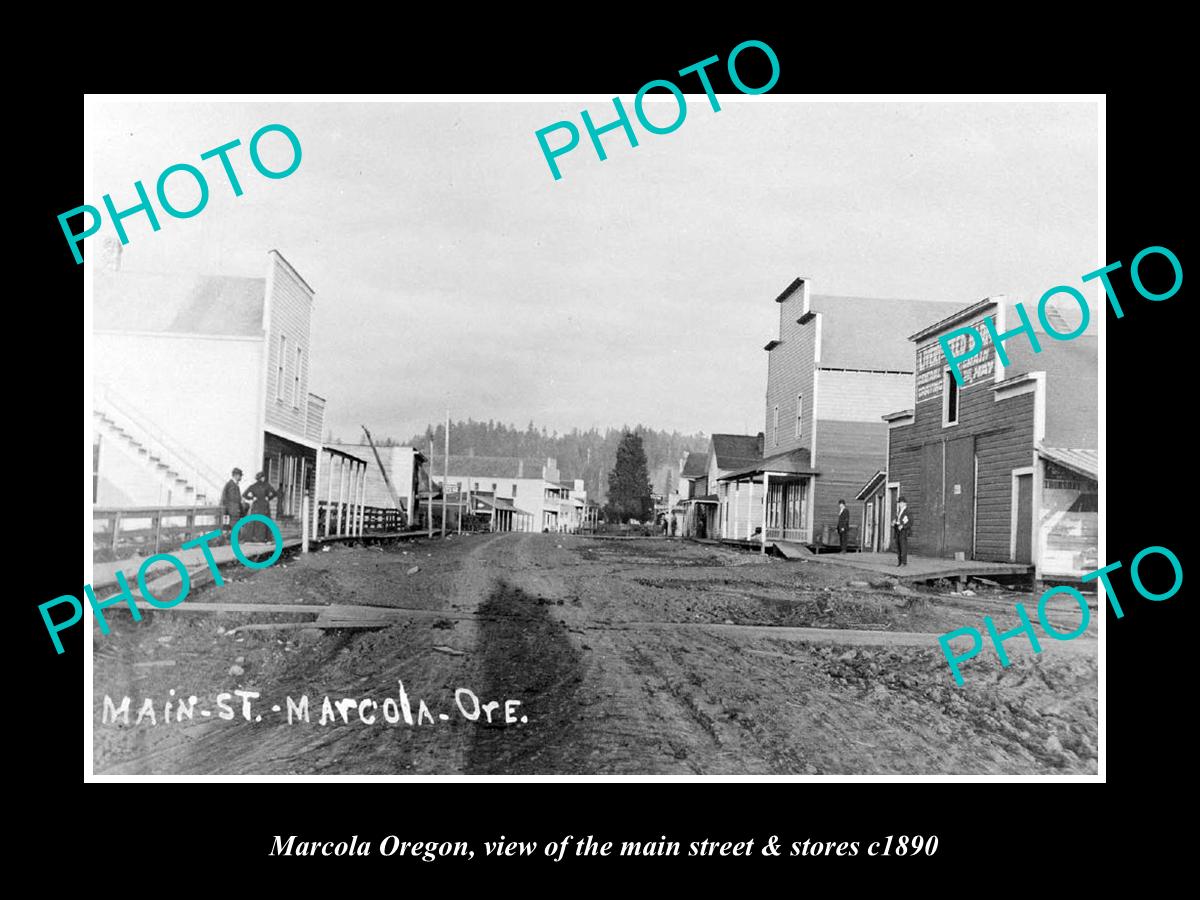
(231, 504)
(843, 525)
(903, 526)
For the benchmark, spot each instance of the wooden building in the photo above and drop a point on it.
(696, 506)
(838, 364)
(197, 374)
(1003, 468)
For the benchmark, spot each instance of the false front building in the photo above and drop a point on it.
(1004, 467)
(838, 365)
(195, 375)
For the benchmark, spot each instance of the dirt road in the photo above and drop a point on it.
(641, 656)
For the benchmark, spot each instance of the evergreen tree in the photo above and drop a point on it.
(629, 481)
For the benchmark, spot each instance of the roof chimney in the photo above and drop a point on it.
(760, 444)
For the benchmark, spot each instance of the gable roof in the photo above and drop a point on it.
(872, 332)
(734, 451)
(487, 467)
(790, 462)
(178, 304)
(695, 466)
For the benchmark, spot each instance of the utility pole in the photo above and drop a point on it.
(429, 508)
(445, 473)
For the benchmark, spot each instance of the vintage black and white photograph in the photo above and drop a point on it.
(440, 437)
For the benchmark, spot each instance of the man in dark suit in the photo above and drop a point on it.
(231, 503)
(843, 525)
(903, 525)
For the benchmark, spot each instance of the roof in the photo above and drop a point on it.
(792, 462)
(734, 451)
(178, 304)
(695, 466)
(870, 333)
(1082, 462)
(487, 467)
(872, 485)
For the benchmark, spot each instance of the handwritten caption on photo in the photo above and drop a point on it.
(1026, 626)
(185, 582)
(392, 711)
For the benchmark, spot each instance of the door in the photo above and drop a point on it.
(868, 538)
(1024, 523)
(959, 493)
(889, 516)
(929, 521)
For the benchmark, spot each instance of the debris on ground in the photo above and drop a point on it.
(414, 570)
(449, 651)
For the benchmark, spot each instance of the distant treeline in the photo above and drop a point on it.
(580, 454)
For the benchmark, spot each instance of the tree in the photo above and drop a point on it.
(629, 482)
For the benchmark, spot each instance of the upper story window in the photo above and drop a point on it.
(514, 489)
(950, 399)
(799, 414)
(282, 361)
(493, 487)
(775, 427)
(296, 380)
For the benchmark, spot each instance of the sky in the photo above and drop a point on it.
(453, 272)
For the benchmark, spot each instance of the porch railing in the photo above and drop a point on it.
(798, 535)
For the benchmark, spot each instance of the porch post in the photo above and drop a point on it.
(766, 491)
(341, 510)
(749, 508)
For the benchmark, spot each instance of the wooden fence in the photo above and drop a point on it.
(120, 533)
(334, 519)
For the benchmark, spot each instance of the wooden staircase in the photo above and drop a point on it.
(189, 480)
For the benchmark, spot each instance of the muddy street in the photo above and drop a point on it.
(561, 654)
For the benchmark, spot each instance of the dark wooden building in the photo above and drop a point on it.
(1004, 467)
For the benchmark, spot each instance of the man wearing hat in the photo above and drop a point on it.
(903, 526)
(843, 525)
(231, 503)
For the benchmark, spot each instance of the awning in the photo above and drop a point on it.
(872, 485)
(793, 462)
(1081, 462)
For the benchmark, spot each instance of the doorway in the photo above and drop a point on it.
(1022, 525)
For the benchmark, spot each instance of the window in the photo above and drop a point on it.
(279, 374)
(493, 487)
(949, 399)
(296, 380)
(775, 427)
(514, 490)
(476, 486)
(799, 414)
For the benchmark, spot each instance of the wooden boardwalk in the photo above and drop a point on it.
(919, 568)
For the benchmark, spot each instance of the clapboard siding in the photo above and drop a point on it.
(860, 397)
(291, 303)
(790, 371)
(1004, 439)
(851, 453)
